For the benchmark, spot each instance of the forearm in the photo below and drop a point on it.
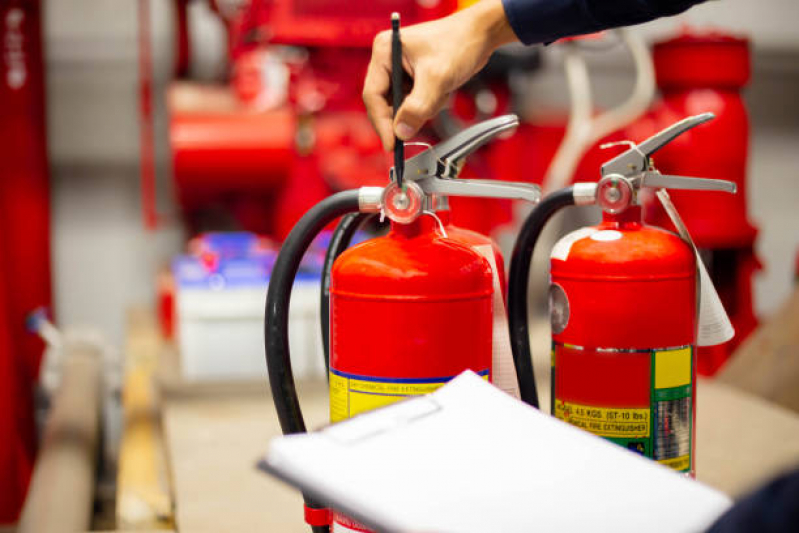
(543, 21)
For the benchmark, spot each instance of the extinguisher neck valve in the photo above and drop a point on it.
(429, 177)
(370, 199)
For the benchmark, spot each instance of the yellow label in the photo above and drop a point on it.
(605, 421)
(680, 463)
(351, 395)
(672, 368)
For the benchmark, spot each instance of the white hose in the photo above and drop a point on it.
(582, 131)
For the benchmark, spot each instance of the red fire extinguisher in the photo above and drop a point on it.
(408, 311)
(623, 307)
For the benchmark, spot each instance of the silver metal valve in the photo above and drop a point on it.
(433, 172)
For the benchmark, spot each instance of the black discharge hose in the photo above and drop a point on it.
(339, 241)
(518, 282)
(276, 322)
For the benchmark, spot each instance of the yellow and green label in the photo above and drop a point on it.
(663, 430)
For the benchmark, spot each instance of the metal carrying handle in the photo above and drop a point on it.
(657, 180)
(444, 159)
(481, 188)
(636, 159)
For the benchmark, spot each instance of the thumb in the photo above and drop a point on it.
(424, 101)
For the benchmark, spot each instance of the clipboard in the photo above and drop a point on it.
(470, 458)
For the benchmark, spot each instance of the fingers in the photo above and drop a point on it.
(376, 86)
(428, 96)
(377, 108)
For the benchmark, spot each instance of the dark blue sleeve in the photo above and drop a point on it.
(543, 21)
(773, 508)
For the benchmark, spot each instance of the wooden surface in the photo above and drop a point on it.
(215, 435)
(767, 363)
(215, 439)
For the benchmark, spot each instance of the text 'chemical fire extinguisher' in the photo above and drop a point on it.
(624, 310)
(407, 311)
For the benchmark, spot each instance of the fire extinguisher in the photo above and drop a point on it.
(623, 308)
(408, 311)
(340, 239)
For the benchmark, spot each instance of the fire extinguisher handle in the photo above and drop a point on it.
(636, 159)
(481, 188)
(444, 159)
(461, 145)
(665, 181)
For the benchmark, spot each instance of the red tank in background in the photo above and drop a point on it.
(706, 71)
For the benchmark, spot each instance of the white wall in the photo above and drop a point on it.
(104, 260)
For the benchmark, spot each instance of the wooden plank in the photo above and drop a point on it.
(144, 499)
(742, 440)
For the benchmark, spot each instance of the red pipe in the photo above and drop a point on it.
(25, 246)
(146, 130)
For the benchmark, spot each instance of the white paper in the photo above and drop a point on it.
(469, 458)
(714, 324)
(503, 369)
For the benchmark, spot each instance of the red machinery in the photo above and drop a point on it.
(623, 304)
(408, 311)
(25, 246)
(290, 154)
(319, 140)
(706, 71)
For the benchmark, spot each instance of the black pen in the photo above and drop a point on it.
(396, 89)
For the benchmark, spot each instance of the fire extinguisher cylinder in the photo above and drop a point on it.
(623, 310)
(408, 311)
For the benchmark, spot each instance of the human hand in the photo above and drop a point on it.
(440, 56)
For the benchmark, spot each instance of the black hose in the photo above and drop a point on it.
(518, 281)
(339, 241)
(278, 357)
